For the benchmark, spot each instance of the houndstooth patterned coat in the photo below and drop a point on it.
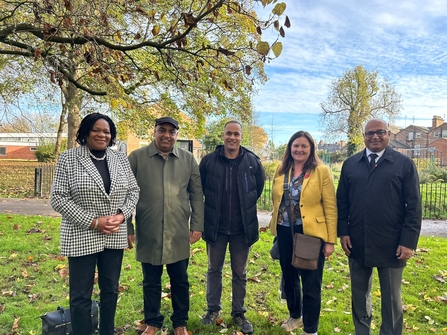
(78, 194)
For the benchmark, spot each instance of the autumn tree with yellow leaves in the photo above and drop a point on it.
(200, 58)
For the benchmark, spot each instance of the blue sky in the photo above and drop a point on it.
(404, 41)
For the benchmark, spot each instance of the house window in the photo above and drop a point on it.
(418, 135)
(436, 133)
(417, 152)
(410, 136)
(444, 133)
(33, 148)
(2, 151)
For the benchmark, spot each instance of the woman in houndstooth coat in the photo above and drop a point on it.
(95, 191)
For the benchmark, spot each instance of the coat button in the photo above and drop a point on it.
(303, 217)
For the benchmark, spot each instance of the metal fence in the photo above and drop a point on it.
(43, 178)
(434, 199)
(17, 181)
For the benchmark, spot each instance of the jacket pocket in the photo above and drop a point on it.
(320, 219)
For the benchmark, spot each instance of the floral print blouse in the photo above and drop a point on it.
(295, 186)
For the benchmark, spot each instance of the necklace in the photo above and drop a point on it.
(97, 158)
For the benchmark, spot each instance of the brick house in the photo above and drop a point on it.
(423, 142)
(23, 145)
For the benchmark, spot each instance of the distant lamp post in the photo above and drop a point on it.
(432, 155)
(327, 157)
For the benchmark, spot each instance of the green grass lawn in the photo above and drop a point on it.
(33, 280)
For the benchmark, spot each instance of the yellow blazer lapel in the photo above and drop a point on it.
(305, 181)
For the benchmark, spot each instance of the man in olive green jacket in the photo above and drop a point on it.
(169, 217)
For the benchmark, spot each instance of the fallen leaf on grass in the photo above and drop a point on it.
(16, 324)
(427, 298)
(2, 308)
(195, 250)
(409, 308)
(330, 301)
(9, 293)
(32, 297)
(254, 279)
(442, 298)
(12, 256)
(63, 273)
(439, 279)
(35, 231)
(430, 321)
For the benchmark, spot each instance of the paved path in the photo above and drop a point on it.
(42, 207)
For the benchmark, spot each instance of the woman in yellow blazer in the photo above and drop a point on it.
(314, 212)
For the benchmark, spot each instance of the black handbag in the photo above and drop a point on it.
(59, 321)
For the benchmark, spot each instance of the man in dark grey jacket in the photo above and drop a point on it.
(379, 221)
(232, 181)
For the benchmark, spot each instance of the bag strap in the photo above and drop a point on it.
(288, 202)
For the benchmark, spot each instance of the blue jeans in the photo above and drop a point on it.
(82, 276)
(178, 276)
(302, 287)
(239, 252)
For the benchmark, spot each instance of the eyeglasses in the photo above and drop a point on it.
(171, 132)
(379, 133)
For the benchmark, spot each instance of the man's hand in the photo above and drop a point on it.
(130, 241)
(346, 245)
(194, 236)
(404, 253)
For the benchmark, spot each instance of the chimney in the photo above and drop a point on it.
(436, 121)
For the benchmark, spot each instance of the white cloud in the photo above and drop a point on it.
(403, 41)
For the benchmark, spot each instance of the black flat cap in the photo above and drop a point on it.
(166, 119)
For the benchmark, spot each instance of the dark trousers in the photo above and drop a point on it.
(239, 252)
(391, 298)
(302, 287)
(178, 275)
(82, 276)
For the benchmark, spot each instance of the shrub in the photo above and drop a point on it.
(432, 174)
(45, 151)
(270, 167)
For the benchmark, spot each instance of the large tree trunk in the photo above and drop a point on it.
(73, 100)
(62, 121)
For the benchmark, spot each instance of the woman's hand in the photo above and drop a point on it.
(108, 224)
(328, 249)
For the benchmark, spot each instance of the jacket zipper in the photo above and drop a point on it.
(230, 187)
